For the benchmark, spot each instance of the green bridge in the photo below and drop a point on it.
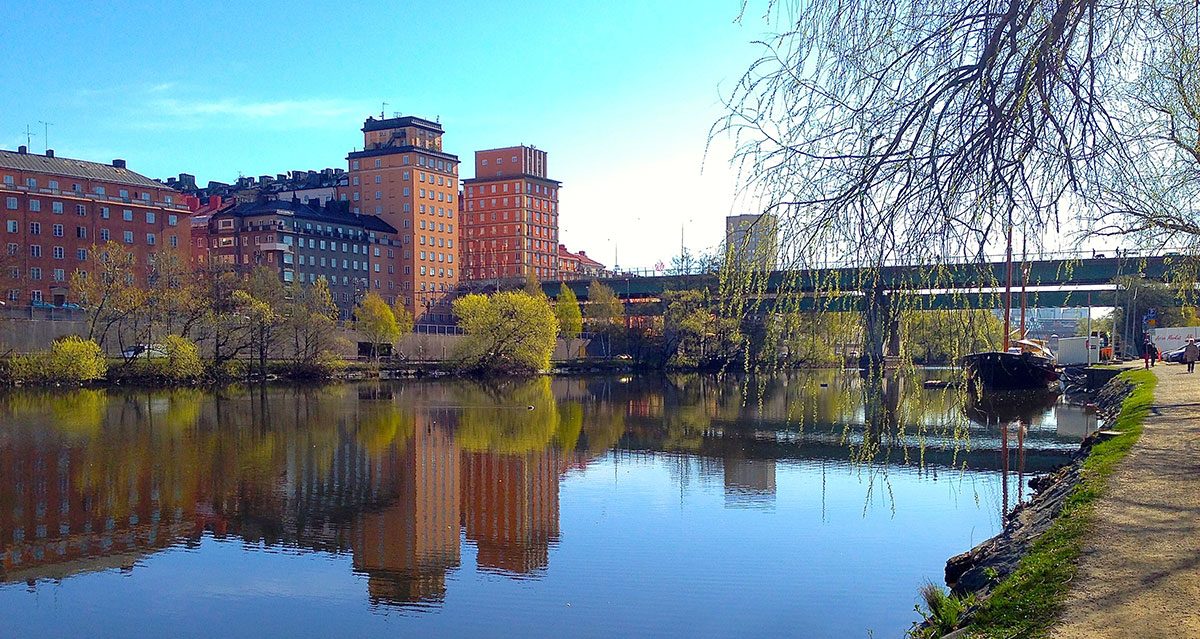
(937, 287)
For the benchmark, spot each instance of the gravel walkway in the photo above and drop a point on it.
(1139, 575)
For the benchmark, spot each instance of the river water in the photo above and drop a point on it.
(810, 504)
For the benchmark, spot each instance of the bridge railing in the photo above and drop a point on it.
(1088, 254)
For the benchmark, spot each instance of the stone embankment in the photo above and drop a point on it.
(980, 569)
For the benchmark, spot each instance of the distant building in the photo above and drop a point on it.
(403, 177)
(55, 210)
(303, 243)
(510, 216)
(578, 266)
(752, 241)
(326, 185)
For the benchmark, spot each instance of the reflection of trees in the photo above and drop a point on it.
(511, 417)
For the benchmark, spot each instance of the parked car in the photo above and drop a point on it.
(148, 351)
(1173, 356)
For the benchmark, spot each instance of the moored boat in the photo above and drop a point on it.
(996, 370)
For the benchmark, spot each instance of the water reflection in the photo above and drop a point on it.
(400, 476)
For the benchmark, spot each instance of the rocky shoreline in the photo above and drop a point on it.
(978, 571)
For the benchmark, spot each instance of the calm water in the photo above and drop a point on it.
(674, 506)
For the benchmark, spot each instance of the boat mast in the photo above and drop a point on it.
(1024, 280)
(1008, 285)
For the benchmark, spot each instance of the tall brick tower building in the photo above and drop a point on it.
(510, 216)
(403, 175)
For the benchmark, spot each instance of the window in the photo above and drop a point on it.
(36, 296)
(99, 190)
(125, 194)
(378, 195)
(172, 220)
(173, 240)
(13, 226)
(35, 273)
(31, 182)
(378, 179)
(378, 163)
(104, 212)
(485, 162)
(59, 274)
(149, 217)
(11, 203)
(59, 253)
(8, 179)
(57, 207)
(80, 210)
(35, 250)
(81, 255)
(35, 205)
(57, 230)
(128, 215)
(129, 237)
(354, 165)
(150, 239)
(103, 235)
(35, 228)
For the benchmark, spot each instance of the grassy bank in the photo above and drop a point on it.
(1028, 601)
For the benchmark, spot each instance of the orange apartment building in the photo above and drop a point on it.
(510, 216)
(54, 210)
(403, 175)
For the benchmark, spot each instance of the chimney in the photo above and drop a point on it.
(119, 163)
(22, 149)
(49, 153)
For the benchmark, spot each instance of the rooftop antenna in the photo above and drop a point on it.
(382, 110)
(46, 136)
(28, 136)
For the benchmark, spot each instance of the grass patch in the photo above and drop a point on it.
(1029, 600)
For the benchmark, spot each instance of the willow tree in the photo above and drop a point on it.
(924, 132)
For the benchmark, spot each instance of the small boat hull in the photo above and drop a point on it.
(997, 371)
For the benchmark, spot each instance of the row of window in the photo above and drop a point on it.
(440, 165)
(441, 241)
(35, 206)
(530, 187)
(35, 273)
(105, 236)
(78, 188)
(441, 257)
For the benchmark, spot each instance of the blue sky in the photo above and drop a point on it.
(620, 93)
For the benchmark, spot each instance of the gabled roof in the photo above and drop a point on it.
(81, 169)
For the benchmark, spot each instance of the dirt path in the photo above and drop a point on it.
(1139, 575)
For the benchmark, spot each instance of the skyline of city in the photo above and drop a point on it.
(266, 115)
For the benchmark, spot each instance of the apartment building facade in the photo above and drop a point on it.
(752, 241)
(510, 216)
(303, 243)
(404, 177)
(54, 210)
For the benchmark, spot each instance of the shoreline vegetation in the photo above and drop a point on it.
(222, 326)
(1015, 584)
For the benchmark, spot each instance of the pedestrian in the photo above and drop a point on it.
(1191, 353)
(1153, 354)
(1146, 353)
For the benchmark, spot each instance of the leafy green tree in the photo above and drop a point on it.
(376, 322)
(404, 319)
(262, 301)
(694, 335)
(532, 286)
(510, 331)
(570, 319)
(605, 314)
(73, 359)
(183, 359)
(940, 337)
(108, 292)
(311, 318)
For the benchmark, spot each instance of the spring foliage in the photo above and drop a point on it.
(510, 331)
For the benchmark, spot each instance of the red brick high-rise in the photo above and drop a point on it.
(403, 175)
(510, 216)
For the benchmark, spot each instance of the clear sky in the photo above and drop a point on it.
(621, 93)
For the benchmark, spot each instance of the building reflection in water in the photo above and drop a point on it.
(397, 475)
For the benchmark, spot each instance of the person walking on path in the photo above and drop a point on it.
(1191, 353)
(1151, 354)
